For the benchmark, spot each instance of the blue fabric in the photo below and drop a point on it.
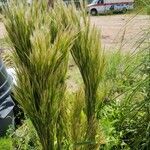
(6, 102)
(6, 107)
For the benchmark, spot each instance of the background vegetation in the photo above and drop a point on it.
(111, 108)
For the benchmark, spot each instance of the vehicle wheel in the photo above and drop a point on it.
(112, 8)
(124, 10)
(93, 12)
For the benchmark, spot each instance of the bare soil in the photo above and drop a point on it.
(121, 31)
(2, 30)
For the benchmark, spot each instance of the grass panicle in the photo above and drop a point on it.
(41, 61)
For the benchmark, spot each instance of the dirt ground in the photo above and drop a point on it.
(2, 30)
(116, 30)
(121, 30)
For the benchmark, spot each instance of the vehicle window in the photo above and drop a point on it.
(100, 1)
(95, 2)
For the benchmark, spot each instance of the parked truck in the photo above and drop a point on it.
(106, 6)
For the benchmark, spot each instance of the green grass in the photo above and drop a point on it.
(112, 96)
(6, 144)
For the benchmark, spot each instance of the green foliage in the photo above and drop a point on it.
(109, 111)
(25, 137)
(78, 121)
(6, 144)
(41, 60)
(125, 116)
(41, 49)
(89, 58)
(142, 5)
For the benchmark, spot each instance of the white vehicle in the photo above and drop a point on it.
(106, 6)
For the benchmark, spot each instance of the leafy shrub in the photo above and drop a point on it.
(25, 137)
(124, 117)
